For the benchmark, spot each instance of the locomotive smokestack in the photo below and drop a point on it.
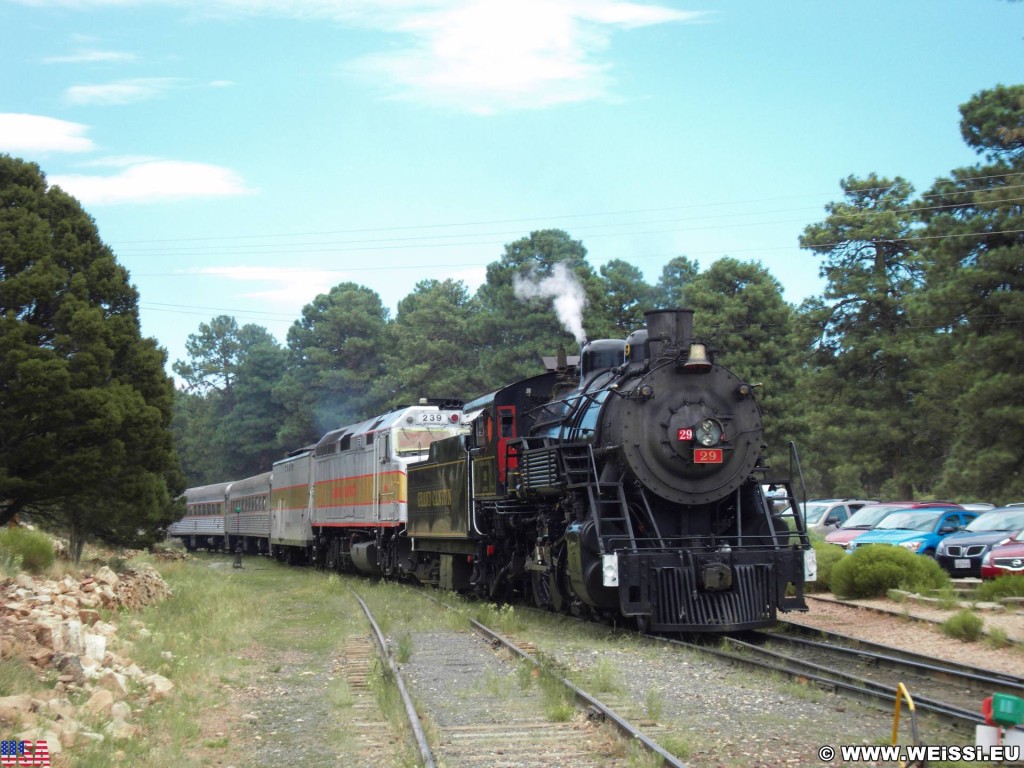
(668, 331)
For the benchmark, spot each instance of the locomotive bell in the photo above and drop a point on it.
(698, 360)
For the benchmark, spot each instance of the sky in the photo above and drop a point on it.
(241, 157)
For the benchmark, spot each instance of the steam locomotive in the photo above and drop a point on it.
(627, 483)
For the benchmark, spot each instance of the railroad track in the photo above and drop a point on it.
(489, 702)
(868, 671)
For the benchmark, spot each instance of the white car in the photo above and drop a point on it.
(822, 516)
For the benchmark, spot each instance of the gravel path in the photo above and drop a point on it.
(917, 628)
(305, 710)
(485, 709)
(480, 708)
(730, 717)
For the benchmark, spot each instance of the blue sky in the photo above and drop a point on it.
(242, 156)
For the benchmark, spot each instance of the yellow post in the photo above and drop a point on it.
(901, 694)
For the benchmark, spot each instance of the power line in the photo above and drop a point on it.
(569, 216)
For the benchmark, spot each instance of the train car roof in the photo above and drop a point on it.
(501, 395)
(298, 453)
(214, 491)
(376, 423)
(248, 483)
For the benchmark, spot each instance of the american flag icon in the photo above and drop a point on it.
(19, 754)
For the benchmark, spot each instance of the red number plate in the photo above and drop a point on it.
(684, 434)
(707, 456)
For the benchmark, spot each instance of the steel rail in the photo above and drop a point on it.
(834, 641)
(867, 690)
(607, 712)
(419, 737)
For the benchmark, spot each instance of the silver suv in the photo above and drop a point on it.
(825, 515)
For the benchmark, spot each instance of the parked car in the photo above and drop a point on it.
(1004, 558)
(961, 553)
(825, 515)
(868, 516)
(979, 506)
(778, 498)
(919, 530)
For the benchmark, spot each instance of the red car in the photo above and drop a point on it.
(1004, 558)
(870, 515)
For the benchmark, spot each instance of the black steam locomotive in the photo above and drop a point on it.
(627, 483)
(631, 485)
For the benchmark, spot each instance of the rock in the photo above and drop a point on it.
(70, 666)
(100, 702)
(52, 739)
(106, 576)
(119, 729)
(113, 682)
(13, 708)
(121, 711)
(159, 686)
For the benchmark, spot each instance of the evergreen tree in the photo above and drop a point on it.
(625, 298)
(676, 276)
(973, 305)
(739, 308)
(335, 359)
(227, 423)
(430, 350)
(85, 405)
(862, 375)
(514, 332)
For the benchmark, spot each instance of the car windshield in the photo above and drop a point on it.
(1008, 520)
(813, 512)
(868, 516)
(908, 521)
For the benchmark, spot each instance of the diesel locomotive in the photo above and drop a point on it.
(625, 484)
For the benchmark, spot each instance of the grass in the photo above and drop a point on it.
(654, 704)
(22, 548)
(17, 676)
(965, 625)
(603, 677)
(220, 632)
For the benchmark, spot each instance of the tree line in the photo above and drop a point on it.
(902, 379)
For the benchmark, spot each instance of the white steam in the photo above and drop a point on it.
(562, 286)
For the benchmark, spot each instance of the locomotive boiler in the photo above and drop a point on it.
(628, 485)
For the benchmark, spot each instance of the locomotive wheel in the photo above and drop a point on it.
(558, 583)
(541, 589)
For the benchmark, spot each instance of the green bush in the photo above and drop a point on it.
(872, 570)
(33, 548)
(1009, 585)
(965, 625)
(828, 555)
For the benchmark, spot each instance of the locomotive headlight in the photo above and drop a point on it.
(708, 433)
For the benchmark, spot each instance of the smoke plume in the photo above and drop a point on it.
(562, 286)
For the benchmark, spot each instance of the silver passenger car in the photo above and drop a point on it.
(202, 527)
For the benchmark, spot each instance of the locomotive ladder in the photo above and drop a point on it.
(608, 505)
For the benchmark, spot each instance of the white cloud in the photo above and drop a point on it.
(31, 134)
(91, 57)
(122, 92)
(486, 56)
(153, 181)
(289, 289)
(480, 56)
